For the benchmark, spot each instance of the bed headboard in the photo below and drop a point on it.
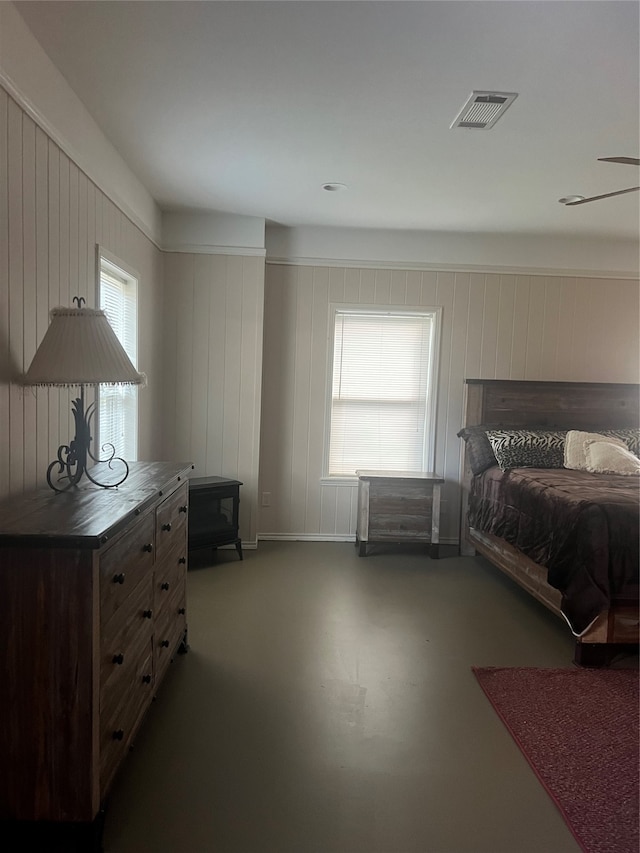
(553, 405)
(589, 406)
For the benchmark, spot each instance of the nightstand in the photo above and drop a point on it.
(398, 507)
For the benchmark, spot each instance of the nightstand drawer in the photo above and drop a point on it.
(396, 526)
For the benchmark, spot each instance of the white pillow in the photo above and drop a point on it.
(603, 457)
(574, 449)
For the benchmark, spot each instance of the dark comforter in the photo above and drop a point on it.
(582, 527)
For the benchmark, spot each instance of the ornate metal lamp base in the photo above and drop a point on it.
(72, 458)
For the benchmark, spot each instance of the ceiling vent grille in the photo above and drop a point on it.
(483, 109)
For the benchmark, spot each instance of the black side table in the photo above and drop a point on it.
(213, 513)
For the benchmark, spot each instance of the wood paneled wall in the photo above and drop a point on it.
(213, 335)
(494, 326)
(51, 218)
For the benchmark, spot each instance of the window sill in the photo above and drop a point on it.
(339, 481)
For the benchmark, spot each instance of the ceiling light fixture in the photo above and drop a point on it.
(571, 199)
(334, 187)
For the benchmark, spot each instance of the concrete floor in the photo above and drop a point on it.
(327, 705)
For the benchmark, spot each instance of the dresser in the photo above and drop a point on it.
(92, 611)
(398, 506)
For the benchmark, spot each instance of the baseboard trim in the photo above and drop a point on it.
(306, 537)
(325, 537)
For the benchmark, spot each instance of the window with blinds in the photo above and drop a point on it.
(118, 404)
(382, 391)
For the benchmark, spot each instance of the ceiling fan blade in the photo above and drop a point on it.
(631, 161)
(597, 197)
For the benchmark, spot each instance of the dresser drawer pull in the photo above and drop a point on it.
(182, 561)
(146, 679)
(181, 611)
(148, 547)
(182, 509)
(147, 614)
(166, 526)
(164, 585)
(118, 659)
(119, 578)
(118, 734)
(164, 644)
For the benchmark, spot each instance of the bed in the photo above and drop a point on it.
(572, 568)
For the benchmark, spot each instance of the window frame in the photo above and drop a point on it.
(335, 308)
(119, 269)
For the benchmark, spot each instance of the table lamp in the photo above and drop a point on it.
(80, 348)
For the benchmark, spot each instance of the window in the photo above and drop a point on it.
(118, 404)
(382, 400)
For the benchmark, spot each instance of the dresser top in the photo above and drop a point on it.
(87, 516)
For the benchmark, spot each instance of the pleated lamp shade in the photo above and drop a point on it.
(81, 348)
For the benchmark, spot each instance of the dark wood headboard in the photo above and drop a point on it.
(552, 405)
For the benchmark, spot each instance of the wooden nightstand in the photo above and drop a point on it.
(398, 506)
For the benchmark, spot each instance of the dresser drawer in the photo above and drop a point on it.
(124, 565)
(169, 631)
(134, 616)
(129, 631)
(128, 682)
(120, 721)
(169, 572)
(171, 520)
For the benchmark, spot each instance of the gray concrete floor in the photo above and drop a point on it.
(327, 705)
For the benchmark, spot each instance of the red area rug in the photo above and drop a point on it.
(578, 729)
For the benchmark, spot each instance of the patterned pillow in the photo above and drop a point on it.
(631, 437)
(479, 451)
(526, 448)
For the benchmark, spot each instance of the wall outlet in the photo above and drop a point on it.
(266, 499)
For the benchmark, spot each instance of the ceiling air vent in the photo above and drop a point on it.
(483, 109)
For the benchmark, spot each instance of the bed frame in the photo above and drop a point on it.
(524, 404)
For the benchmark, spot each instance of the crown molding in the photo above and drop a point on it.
(205, 249)
(352, 263)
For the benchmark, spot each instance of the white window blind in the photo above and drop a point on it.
(381, 391)
(118, 404)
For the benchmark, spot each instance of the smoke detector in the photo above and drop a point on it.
(483, 109)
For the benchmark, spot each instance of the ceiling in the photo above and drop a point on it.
(249, 107)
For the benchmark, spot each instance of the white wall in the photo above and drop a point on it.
(27, 73)
(213, 233)
(494, 326)
(213, 324)
(553, 254)
(51, 218)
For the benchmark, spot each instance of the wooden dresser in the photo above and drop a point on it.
(92, 610)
